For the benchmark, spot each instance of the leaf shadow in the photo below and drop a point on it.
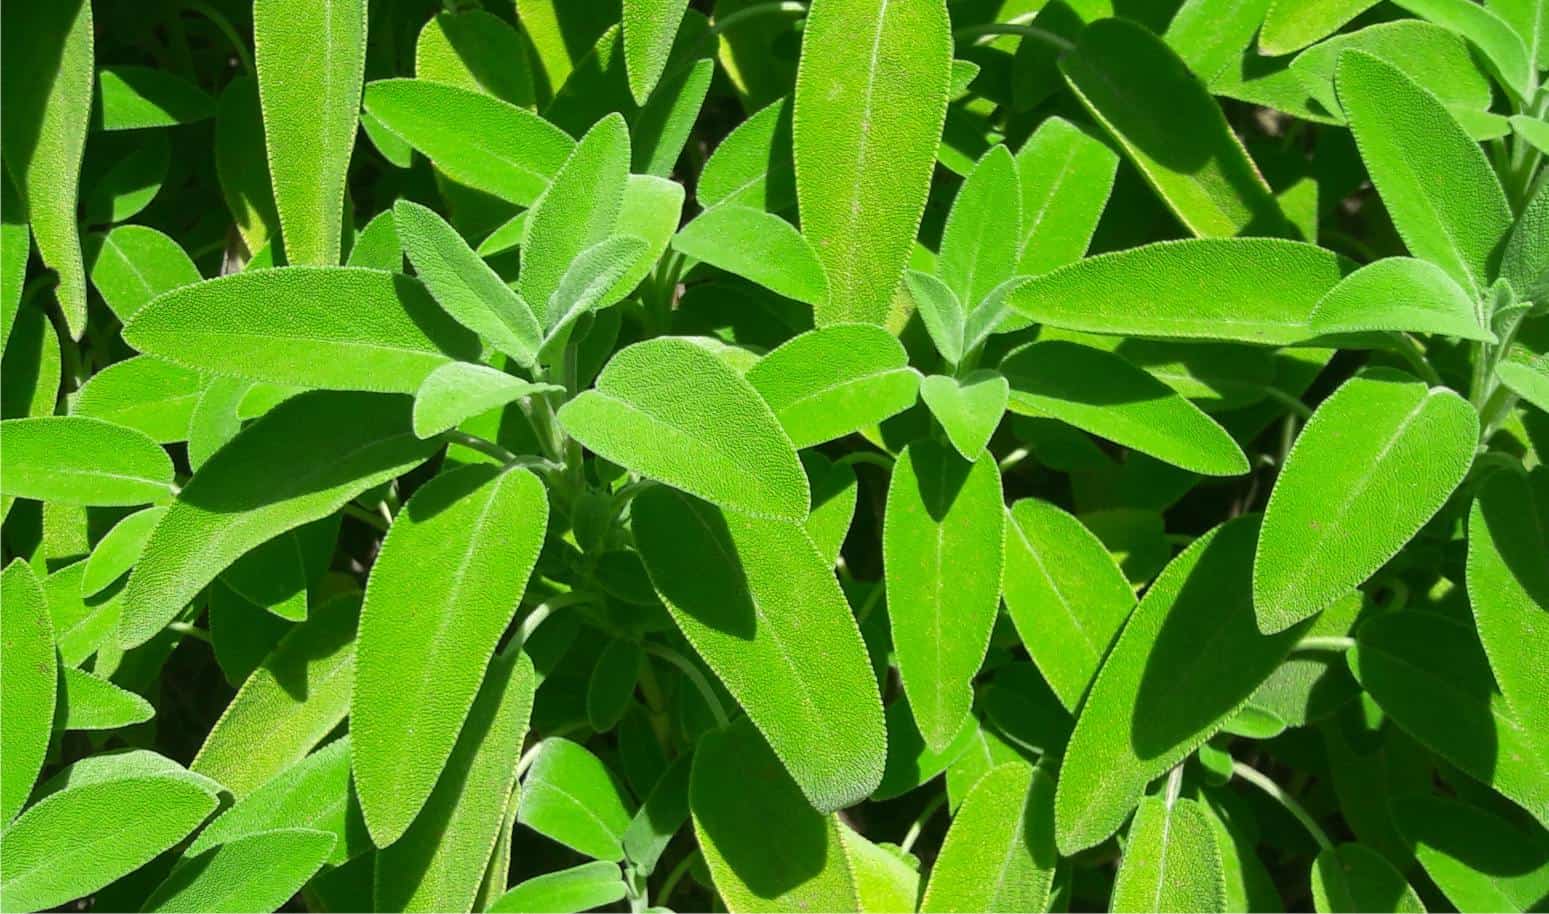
(693, 560)
(939, 475)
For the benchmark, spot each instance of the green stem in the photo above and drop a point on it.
(990, 29)
(223, 25)
(694, 676)
(192, 631)
(722, 25)
(917, 827)
(675, 876)
(1294, 404)
(872, 457)
(482, 445)
(1261, 781)
(1323, 643)
(1413, 353)
(366, 517)
(543, 611)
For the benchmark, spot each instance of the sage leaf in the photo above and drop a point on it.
(761, 606)
(130, 98)
(149, 395)
(941, 508)
(460, 390)
(752, 166)
(88, 702)
(826, 383)
(968, 408)
(1373, 465)
(425, 641)
(661, 815)
(31, 685)
(341, 328)
(1065, 177)
(1528, 380)
(669, 409)
(311, 60)
(1171, 861)
(257, 872)
(999, 853)
(133, 264)
(1353, 877)
(1290, 25)
(758, 246)
(983, 233)
(242, 165)
(835, 490)
(589, 284)
(1399, 294)
(1430, 55)
(1480, 860)
(301, 462)
(74, 460)
(861, 183)
(941, 312)
(15, 249)
(475, 49)
(649, 28)
(1492, 35)
(579, 888)
(571, 796)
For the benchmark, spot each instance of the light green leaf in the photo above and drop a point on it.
(301, 462)
(31, 368)
(1188, 659)
(445, 586)
(1065, 177)
(657, 821)
(983, 235)
(885, 880)
(670, 409)
(461, 390)
(578, 210)
(256, 872)
(649, 28)
(1352, 877)
(1430, 55)
(73, 460)
(1406, 138)
(1291, 25)
(1253, 290)
(999, 853)
(44, 123)
(1375, 462)
(88, 702)
(311, 60)
(1211, 35)
(941, 510)
(15, 248)
(752, 166)
(342, 328)
(733, 825)
(133, 264)
(29, 671)
(835, 490)
(826, 383)
(1065, 594)
(148, 395)
(588, 285)
(475, 139)
(758, 246)
(940, 311)
(1480, 861)
(295, 698)
(241, 165)
(1170, 127)
(1491, 34)
(579, 888)
(377, 246)
(437, 864)
(98, 820)
(871, 98)
(129, 98)
(761, 606)
(81, 624)
(1399, 294)
(1528, 380)
(464, 285)
(216, 418)
(118, 550)
(1525, 260)
(911, 763)
(1532, 129)
(651, 210)
(969, 408)
(475, 49)
(1171, 861)
(571, 796)
(1101, 393)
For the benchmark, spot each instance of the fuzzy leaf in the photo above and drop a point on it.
(649, 28)
(571, 796)
(460, 390)
(1171, 861)
(132, 264)
(999, 853)
(826, 383)
(257, 872)
(752, 166)
(1291, 25)
(968, 408)
(1065, 177)
(579, 888)
(73, 460)
(983, 234)
(29, 670)
(88, 702)
(1399, 294)
(759, 246)
(1353, 877)
(1480, 860)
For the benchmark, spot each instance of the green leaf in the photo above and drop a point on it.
(1528, 380)
(1065, 176)
(1375, 462)
(257, 872)
(241, 165)
(1534, 131)
(826, 383)
(1253, 290)
(148, 395)
(216, 418)
(578, 210)
(733, 825)
(299, 463)
(589, 285)
(133, 264)
(342, 328)
(571, 796)
(1399, 294)
(758, 246)
(835, 490)
(669, 409)
(465, 286)
(911, 763)
(1430, 55)
(476, 50)
(1525, 260)
(1291, 25)
(44, 124)
(88, 702)
(1480, 861)
(461, 390)
(311, 60)
(1491, 34)
(437, 864)
(120, 182)
(940, 311)
(942, 510)
(969, 408)
(81, 624)
(983, 234)
(15, 248)
(1065, 593)
(1312, 685)
(377, 246)
(579, 888)
(761, 606)
(752, 166)
(1429, 675)
(659, 818)
(1171, 861)
(28, 668)
(1353, 877)
(129, 98)
(999, 853)
(1188, 658)
(651, 210)
(611, 687)
(295, 698)
(871, 98)
(133, 805)
(649, 28)
(425, 638)
(314, 793)
(1406, 138)
(473, 138)
(73, 460)
(1173, 131)
(1101, 393)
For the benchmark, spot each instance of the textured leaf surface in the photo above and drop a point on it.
(579, 888)
(1480, 860)
(829, 382)
(983, 234)
(1399, 294)
(88, 702)
(29, 671)
(762, 607)
(460, 390)
(649, 27)
(73, 460)
(133, 264)
(999, 853)
(1171, 861)
(257, 872)
(1291, 25)
(1065, 177)
(1353, 877)
(1376, 461)
(968, 408)
(425, 638)
(145, 394)
(571, 796)
(759, 246)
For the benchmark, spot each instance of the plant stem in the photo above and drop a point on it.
(543, 611)
(872, 457)
(1323, 643)
(366, 517)
(1413, 353)
(991, 29)
(223, 25)
(189, 629)
(675, 876)
(917, 827)
(1294, 404)
(694, 676)
(722, 25)
(1261, 781)
(1014, 458)
(482, 445)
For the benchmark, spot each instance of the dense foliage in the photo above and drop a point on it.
(866, 455)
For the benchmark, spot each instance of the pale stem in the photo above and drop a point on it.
(694, 676)
(1261, 781)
